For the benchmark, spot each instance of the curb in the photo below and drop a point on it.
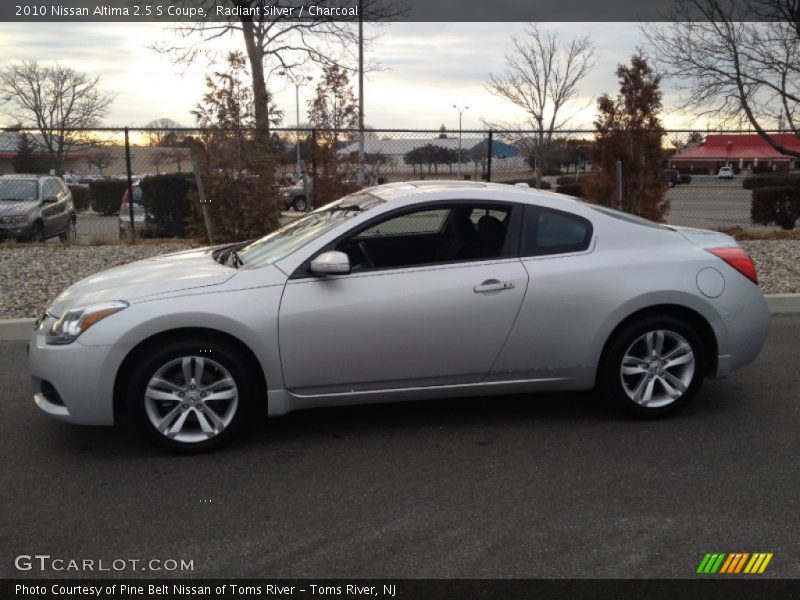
(15, 330)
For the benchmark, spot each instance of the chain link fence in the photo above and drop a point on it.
(129, 184)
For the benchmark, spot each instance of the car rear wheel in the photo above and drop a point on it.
(653, 367)
(191, 396)
(300, 204)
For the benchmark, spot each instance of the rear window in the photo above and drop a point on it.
(549, 231)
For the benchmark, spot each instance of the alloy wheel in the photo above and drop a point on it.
(657, 368)
(191, 399)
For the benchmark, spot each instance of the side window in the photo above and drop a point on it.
(555, 232)
(49, 188)
(423, 237)
(422, 222)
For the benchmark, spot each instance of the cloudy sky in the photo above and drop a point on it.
(425, 69)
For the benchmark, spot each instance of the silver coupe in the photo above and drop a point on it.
(401, 292)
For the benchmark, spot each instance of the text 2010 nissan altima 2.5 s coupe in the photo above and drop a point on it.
(399, 292)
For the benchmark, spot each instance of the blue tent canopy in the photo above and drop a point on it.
(499, 149)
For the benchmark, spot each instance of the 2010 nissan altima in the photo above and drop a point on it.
(399, 292)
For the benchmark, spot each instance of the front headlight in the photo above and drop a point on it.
(14, 219)
(74, 322)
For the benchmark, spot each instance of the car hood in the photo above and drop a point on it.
(143, 279)
(9, 208)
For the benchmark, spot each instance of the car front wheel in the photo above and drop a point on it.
(299, 204)
(191, 396)
(653, 366)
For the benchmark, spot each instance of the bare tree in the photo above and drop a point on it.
(276, 43)
(54, 101)
(735, 61)
(162, 132)
(542, 77)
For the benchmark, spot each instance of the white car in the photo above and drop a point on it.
(725, 173)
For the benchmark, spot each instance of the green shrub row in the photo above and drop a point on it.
(572, 189)
(81, 197)
(166, 200)
(779, 205)
(770, 180)
(106, 195)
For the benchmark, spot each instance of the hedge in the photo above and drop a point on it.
(81, 197)
(573, 189)
(779, 205)
(107, 195)
(532, 183)
(571, 179)
(690, 171)
(774, 180)
(166, 200)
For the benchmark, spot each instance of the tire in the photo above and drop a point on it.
(644, 384)
(159, 394)
(299, 204)
(69, 234)
(37, 234)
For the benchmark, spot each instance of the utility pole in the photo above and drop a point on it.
(360, 92)
(460, 113)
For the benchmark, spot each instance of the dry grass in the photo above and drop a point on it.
(741, 233)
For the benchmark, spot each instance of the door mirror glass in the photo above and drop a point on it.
(331, 263)
(50, 199)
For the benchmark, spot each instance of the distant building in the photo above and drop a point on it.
(104, 160)
(742, 151)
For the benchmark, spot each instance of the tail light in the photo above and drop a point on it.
(738, 259)
(123, 207)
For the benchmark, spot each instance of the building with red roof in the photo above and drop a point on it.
(740, 151)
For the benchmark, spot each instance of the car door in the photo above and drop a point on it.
(439, 319)
(50, 210)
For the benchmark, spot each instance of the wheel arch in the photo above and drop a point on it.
(693, 318)
(123, 372)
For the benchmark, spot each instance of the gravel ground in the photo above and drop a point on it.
(32, 276)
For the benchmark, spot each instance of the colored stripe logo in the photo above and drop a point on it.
(734, 562)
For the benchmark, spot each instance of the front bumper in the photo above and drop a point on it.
(73, 383)
(21, 230)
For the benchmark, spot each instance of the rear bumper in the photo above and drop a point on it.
(741, 335)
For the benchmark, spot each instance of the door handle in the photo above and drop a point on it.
(493, 285)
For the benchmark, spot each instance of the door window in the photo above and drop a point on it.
(431, 236)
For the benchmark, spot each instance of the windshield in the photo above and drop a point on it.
(284, 241)
(18, 189)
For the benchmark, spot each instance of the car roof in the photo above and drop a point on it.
(407, 190)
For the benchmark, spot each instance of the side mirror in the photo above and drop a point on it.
(331, 263)
(50, 200)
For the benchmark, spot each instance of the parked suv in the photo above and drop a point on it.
(725, 173)
(35, 208)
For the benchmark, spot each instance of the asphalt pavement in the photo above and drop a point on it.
(549, 485)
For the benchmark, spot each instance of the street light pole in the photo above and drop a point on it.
(297, 84)
(460, 113)
(360, 92)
